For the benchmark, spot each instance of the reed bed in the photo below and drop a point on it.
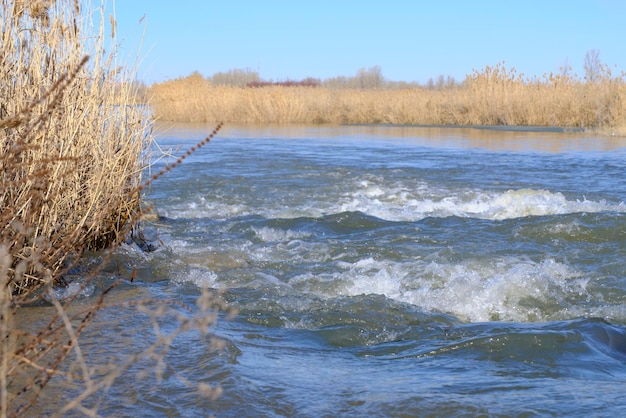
(492, 96)
(71, 155)
(73, 145)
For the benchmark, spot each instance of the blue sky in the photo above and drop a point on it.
(409, 40)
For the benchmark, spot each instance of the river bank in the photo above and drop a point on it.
(494, 96)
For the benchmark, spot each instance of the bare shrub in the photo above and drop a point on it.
(236, 77)
(592, 65)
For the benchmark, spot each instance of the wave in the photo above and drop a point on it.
(402, 205)
(397, 203)
(497, 289)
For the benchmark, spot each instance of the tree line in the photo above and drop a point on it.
(373, 78)
(365, 78)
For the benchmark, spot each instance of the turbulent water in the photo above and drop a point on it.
(386, 271)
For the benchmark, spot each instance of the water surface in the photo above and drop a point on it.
(386, 271)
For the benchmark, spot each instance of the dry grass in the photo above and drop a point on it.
(493, 96)
(73, 146)
(70, 148)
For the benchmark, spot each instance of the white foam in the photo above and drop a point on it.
(267, 234)
(399, 200)
(200, 277)
(203, 207)
(401, 204)
(74, 289)
(508, 289)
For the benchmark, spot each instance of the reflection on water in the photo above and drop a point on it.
(549, 140)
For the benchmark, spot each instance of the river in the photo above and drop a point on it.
(380, 271)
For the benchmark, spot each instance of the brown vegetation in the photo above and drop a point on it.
(307, 82)
(72, 150)
(493, 96)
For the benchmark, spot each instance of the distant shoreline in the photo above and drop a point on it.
(495, 99)
(521, 128)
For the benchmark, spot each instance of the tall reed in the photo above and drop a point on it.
(71, 143)
(492, 96)
(73, 146)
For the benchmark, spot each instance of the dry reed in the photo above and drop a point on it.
(73, 146)
(493, 96)
(70, 148)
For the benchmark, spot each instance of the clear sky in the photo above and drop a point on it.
(409, 40)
